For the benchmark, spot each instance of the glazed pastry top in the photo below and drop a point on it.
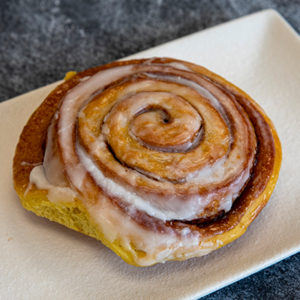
(169, 141)
(165, 156)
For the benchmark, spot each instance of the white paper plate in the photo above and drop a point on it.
(40, 259)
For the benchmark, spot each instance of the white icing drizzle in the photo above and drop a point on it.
(62, 181)
(157, 247)
(56, 194)
(115, 190)
(24, 163)
(119, 227)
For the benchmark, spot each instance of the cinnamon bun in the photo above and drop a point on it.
(160, 159)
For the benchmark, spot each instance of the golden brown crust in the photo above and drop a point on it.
(246, 207)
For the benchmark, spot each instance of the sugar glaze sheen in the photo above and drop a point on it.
(160, 149)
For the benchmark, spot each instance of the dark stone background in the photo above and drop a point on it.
(41, 40)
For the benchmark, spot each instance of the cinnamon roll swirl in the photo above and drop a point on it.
(159, 159)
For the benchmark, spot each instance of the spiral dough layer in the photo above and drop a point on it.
(151, 148)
